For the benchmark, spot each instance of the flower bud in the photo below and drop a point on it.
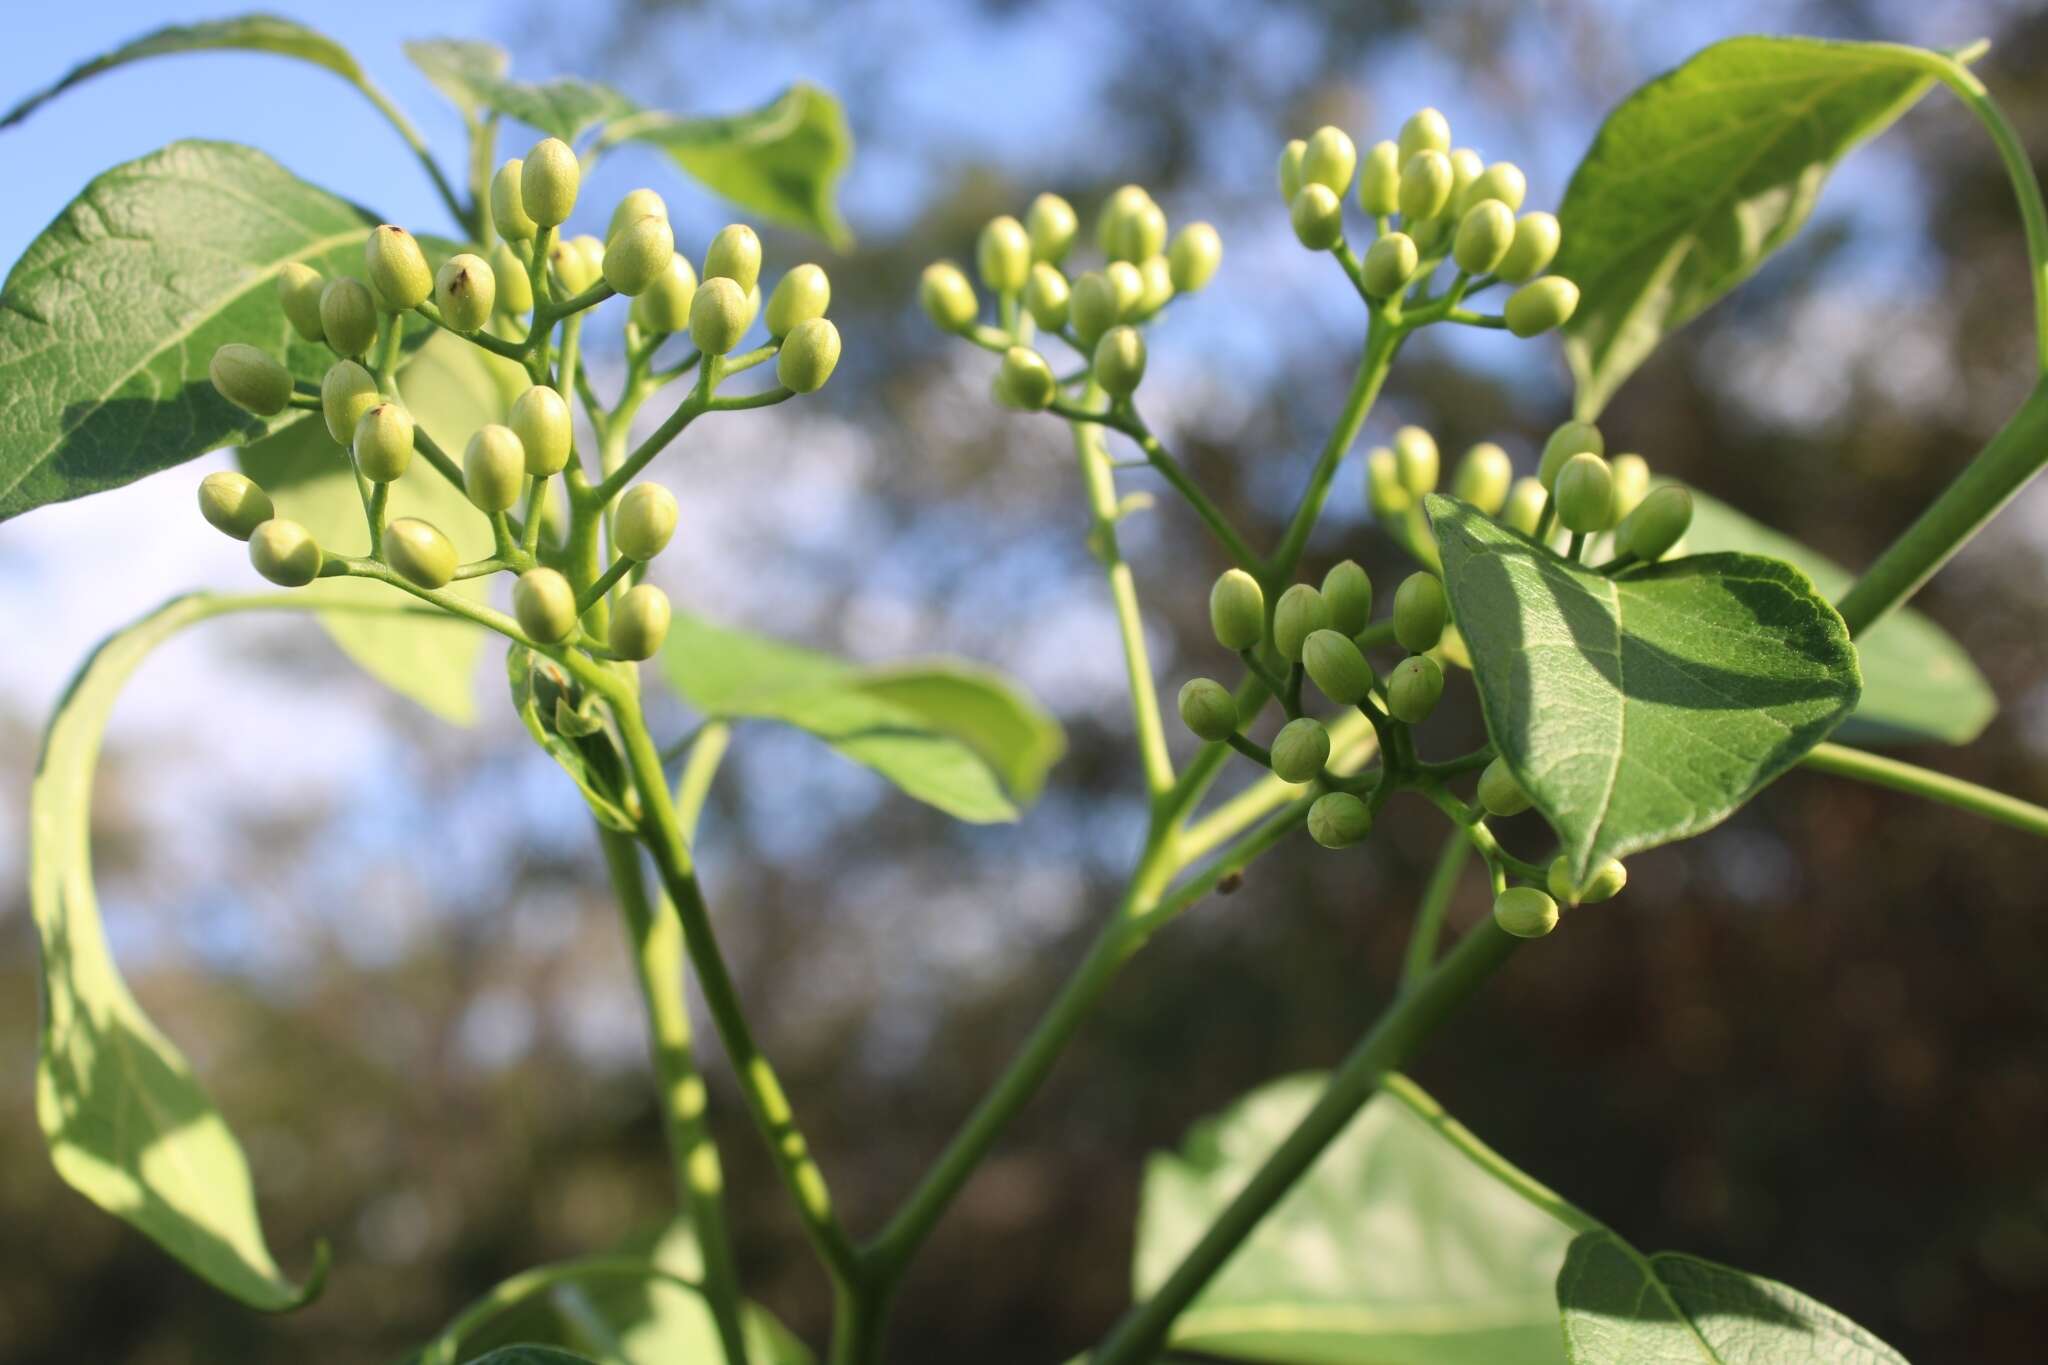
(1419, 612)
(718, 315)
(1631, 483)
(1657, 524)
(804, 293)
(576, 263)
(1193, 258)
(1425, 186)
(541, 420)
(419, 551)
(1300, 750)
(383, 444)
(1003, 255)
(1414, 688)
(640, 622)
(1329, 160)
(508, 204)
(1109, 219)
(1337, 667)
(1208, 709)
(1484, 235)
(347, 391)
(1348, 592)
(1503, 181)
(809, 355)
(1138, 232)
(1300, 613)
(645, 521)
(1025, 381)
(1536, 240)
(1120, 361)
(233, 504)
(1127, 286)
(1483, 477)
(1525, 912)
(1466, 167)
(1338, 820)
(664, 306)
(947, 297)
(1540, 305)
(397, 268)
(1390, 262)
(636, 205)
(545, 605)
(638, 254)
(1046, 296)
(466, 290)
(548, 180)
(1604, 885)
(515, 287)
(494, 468)
(250, 379)
(1237, 610)
(1499, 792)
(285, 553)
(1524, 510)
(1383, 491)
(1416, 460)
(1318, 217)
(298, 293)
(1092, 307)
(1585, 494)
(1291, 179)
(1051, 225)
(348, 316)
(734, 254)
(1569, 439)
(1157, 273)
(1379, 180)
(1425, 131)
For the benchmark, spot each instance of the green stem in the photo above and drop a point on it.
(1917, 781)
(396, 117)
(1429, 915)
(588, 597)
(707, 751)
(1381, 341)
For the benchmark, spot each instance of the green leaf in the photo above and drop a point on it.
(1645, 708)
(1696, 178)
(473, 76)
(461, 70)
(782, 161)
(529, 1355)
(1622, 1308)
(128, 1124)
(546, 697)
(108, 321)
(1394, 1247)
(953, 735)
(1918, 684)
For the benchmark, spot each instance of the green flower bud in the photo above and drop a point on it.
(1157, 273)
(1414, 688)
(548, 181)
(1348, 591)
(1604, 885)
(1329, 159)
(1657, 524)
(638, 254)
(1416, 460)
(1051, 224)
(636, 205)
(1631, 483)
(734, 254)
(1525, 912)
(348, 316)
(1484, 235)
(397, 268)
(298, 293)
(466, 290)
(1569, 439)
(515, 287)
(1208, 709)
(285, 553)
(1193, 258)
(1318, 217)
(1419, 612)
(508, 204)
(1093, 307)
(645, 521)
(250, 379)
(545, 605)
(541, 420)
(1025, 381)
(664, 306)
(347, 391)
(1585, 494)
(1499, 792)
(1425, 131)
(1379, 180)
(1536, 240)
(947, 297)
(1046, 295)
(1338, 820)
(494, 468)
(804, 293)
(809, 355)
(1390, 262)
(1291, 178)
(1120, 361)
(1003, 255)
(1300, 750)
(1109, 220)
(1540, 305)
(576, 263)
(640, 622)
(1425, 186)
(383, 444)
(1300, 613)
(1524, 508)
(233, 503)
(1466, 167)
(1126, 286)
(420, 552)
(1383, 490)
(1139, 232)
(719, 315)
(1503, 181)
(1237, 610)
(1483, 477)
(1337, 667)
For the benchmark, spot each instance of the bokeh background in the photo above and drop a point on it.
(1811, 1043)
